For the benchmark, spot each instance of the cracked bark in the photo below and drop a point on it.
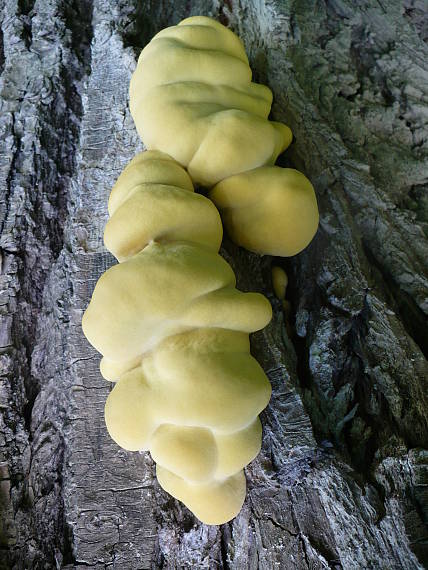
(341, 479)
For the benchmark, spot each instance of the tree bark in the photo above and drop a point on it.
(341, 480)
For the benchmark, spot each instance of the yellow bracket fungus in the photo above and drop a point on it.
(173, 331)
(171, 326)
(192, 97)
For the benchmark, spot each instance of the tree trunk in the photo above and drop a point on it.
(341, 481)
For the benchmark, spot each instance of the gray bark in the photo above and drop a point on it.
(341, 480)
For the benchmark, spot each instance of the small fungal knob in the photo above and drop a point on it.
(279, 282)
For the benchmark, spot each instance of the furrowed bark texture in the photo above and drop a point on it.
(341, 481)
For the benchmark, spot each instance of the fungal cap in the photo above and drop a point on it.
(189, 452)
(268, 210)
(130, 426)
(184, 383)
(158, 212)
(199, 454)
(148, 167)
(223, 390)
(225, 149)
(216, 502)
(135, 300)
(191, 95)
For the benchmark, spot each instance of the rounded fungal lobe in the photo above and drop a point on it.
(216, 502)
(192, 97)
(269, 210)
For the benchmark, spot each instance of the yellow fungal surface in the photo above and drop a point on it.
(191, 96)
(279, 282)
(268, 210)
(173, 331)
(171, 326)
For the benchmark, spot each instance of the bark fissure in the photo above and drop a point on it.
(40, 123)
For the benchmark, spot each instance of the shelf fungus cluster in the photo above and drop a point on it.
(173, 331)
(171, 326)
(192, 97)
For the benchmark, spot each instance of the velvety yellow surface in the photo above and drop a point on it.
(165, 289)
(148, 168)
(183, 383)
(114, 369)
(192, 97)
(173, 331)
(142, 209)
(269, 210)
(213, 503)
(279, 282)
